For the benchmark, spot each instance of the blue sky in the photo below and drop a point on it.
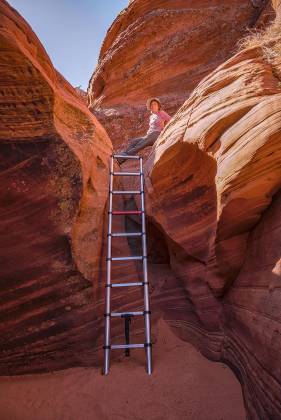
(71, 31)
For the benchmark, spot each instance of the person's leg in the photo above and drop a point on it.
(128, 150)
(152, 137)
(133, 142)
(143, 142)
(132, 149)
(139, 143)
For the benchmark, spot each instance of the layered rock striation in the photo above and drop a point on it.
(163, 49)
(54, 171)
(213, 183)
(213, 192)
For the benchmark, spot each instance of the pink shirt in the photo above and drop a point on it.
(156, 121)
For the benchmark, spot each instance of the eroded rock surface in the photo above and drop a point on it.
(213, 191)
(212, 180)
(213, 194)
(54, 172)
(162, 48)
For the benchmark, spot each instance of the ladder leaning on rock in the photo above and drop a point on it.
(110, 259)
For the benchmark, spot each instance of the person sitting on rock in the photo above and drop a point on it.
(157, 121)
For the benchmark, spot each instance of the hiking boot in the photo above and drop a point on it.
(121, 160)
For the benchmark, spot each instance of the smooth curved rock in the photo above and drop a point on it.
(224, 137)
(213, 172)
(252, 318)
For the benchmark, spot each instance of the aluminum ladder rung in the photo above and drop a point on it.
(127, 258)
(124, 212)
(127, 173)
(126, 346)
(126, 192)
(137, 313)
(126, 157)
(119, 234)
(138, 283)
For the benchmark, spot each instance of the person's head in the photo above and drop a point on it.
(153, 104)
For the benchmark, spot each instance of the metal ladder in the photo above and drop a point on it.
(126, 315)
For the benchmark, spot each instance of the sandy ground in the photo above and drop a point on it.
(184, 385)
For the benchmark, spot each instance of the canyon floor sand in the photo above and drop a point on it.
(184, 385)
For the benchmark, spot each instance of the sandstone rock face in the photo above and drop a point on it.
(54, 172)
(163, 49)
(211, 175)
(82, 94)
(213, 191)
(276, 4)
(213, 194)
(54, 190)
(252, 318)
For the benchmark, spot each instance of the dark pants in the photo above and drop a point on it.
(139, 143)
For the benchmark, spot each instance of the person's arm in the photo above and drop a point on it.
(166, 116)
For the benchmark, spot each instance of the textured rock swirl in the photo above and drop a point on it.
(53, 170)
(218, 161)
(163, 49)
(212, 179)
(53, 196)
(252, 318)
(213, 194)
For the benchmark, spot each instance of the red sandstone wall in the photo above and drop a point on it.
(53, 192)
(213, 189)
(213, 179)
(213, 200)
(162, 48)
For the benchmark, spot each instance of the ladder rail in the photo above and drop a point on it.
(145, 279)
(108, 275)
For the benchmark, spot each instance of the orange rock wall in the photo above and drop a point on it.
(212, 193)
(213, 181)
(53, 193)
(163, 49)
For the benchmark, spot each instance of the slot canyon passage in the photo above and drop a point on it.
(213, 202)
